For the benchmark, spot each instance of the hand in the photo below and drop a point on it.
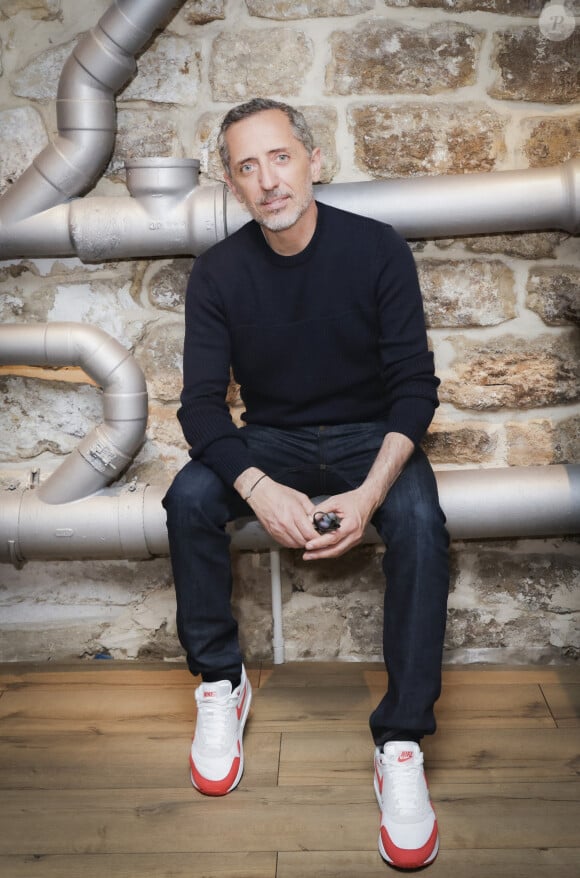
(355, 510)
(285, 513)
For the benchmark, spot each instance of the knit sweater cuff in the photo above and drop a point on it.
(411, 416)
(228, 457)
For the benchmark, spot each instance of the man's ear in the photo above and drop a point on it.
(316, 164)
(231, 186)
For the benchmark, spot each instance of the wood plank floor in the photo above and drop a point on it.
(94, 777)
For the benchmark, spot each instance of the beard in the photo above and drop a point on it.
(286, 216)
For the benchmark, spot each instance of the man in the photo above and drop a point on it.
(319, 314)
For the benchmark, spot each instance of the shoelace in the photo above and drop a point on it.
(214, 720)
(404, 784)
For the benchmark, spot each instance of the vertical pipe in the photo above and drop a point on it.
(276, 582)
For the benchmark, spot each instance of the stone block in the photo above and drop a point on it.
(567, 440)
(141, 134)
(551, 140)
(553, 292)
(466, 442)
(466, 293)
(45, 417)
(273, 61)
(102, 297)
(164, 452)
(167, 283)
(522, 596)
(513, 372)
(105, 300)
(383, 57)
(286, 10)
(38, 78)
(526, 8)
(160, 355)
(357, 571)
(415, 139)
(22, 137)
(203, 11)
(543, 441)
(527, 245)
(530, 67)
(38, 10)
(531, 443)
(168, 72)
(322, 121)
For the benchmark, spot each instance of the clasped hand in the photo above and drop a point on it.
(287, 516)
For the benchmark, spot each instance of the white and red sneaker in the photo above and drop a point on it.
(408, 838)
(217, 753)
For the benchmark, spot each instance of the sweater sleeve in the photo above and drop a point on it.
(407, 364)
(204, 415)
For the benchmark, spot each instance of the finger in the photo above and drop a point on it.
(321, 543)
(331, 546)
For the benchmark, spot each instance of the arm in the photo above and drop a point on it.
(204, 415)
(408, 376)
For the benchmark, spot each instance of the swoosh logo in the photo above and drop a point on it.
(405, 756)
(240, 707)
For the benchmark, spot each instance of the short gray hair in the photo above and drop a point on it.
(258, 105)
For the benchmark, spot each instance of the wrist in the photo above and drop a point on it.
(373, 493)
(246, 481)
(258, 481)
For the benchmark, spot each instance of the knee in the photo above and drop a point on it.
(417, 514)
(412, 510)
(194, 488)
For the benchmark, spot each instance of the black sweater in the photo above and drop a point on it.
(334, 334)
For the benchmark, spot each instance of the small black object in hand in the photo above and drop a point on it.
(325, 522)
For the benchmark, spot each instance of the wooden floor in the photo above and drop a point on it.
(95, 784)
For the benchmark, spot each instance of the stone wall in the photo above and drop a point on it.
(392, 88)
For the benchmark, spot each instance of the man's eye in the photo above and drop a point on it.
(283, 157)
(247, 168)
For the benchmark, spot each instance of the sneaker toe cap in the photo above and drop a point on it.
(410, 845)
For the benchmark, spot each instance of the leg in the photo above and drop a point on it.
(198, 506)
(417, 582)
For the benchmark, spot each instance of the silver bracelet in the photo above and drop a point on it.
(257, 482)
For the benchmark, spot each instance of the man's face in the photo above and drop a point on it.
(271, 171)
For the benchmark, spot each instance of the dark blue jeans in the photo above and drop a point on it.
(321, 460)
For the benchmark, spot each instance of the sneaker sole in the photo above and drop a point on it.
(391, 862)
(215, 790)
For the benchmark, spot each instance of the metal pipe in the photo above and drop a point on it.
(129, 522)
(102, 62)
(191, 219)
(276, 591)
(105, 452)
(468, 204)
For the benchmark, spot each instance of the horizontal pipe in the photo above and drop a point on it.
(107, 450)
(129, 522)
(107, 526)
(171, 215)
(468, 204)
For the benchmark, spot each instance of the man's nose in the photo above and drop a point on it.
(268, 177)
